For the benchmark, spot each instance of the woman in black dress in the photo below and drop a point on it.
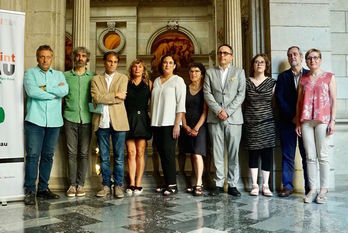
(259, 126)
(194, 140)
(137, 101)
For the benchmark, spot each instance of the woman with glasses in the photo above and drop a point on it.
(194, 138)
(259, 126)
(315, 122)
(167, 109)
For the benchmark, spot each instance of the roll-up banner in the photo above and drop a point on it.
(11, 105)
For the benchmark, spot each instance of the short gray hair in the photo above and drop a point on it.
(81, 50)
(295, 47)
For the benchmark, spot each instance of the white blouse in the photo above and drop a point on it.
(167, 99)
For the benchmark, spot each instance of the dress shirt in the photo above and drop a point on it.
(167, 99)
(76, 102)
(223, 74)
(105, 119)
(44, 108)
(297, 77)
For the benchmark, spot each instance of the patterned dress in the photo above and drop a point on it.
(259, 126)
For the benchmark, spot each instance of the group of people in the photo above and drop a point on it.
(219, 105)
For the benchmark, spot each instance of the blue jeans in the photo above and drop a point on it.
(39, 141)
(118, 142)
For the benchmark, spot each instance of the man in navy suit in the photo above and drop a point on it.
(286, 95)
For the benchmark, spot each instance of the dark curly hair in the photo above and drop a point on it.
(200, 66)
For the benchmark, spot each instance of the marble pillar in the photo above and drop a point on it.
(233, 29)
(81, 23)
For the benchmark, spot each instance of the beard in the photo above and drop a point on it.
(80, 64)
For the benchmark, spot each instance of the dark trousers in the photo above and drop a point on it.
(77, 140)
(266, 155)
(40, 143)
(165, 144)
(288, 140)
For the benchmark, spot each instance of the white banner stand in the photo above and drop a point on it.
(11, 106)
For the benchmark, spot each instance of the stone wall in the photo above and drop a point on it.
(339, 38)
(318, 24)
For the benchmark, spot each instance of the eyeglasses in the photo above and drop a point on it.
(259, 62)
(223, 53)
(315, 58)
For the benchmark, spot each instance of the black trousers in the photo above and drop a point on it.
(266, 155)
(165, 144)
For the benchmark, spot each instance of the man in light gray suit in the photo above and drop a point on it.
(224, 92)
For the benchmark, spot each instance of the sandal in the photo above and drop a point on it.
(321, 198)
(160, 189)
(255, 190)
(198, 191)
(189, 189)
(171, 189)
(130, 190)
(138, 190)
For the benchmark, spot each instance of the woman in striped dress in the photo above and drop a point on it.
(259, 127)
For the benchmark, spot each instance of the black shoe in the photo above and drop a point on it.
(233, 191)
(216, 191)
(29, 198)
(47, 194)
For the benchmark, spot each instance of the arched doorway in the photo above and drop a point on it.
(177, 44)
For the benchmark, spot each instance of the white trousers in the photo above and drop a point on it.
(315, 141)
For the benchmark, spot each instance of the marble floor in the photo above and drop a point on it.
(179, 213)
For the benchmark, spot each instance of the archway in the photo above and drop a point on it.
(177, 44)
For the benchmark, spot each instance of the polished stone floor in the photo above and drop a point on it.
(179, 213)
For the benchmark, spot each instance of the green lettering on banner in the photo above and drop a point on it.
(2, 115)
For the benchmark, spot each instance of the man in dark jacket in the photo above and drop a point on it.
(286, 95)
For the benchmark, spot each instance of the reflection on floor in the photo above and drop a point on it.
(179, 213)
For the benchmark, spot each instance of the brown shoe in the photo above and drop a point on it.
(71, 191)
(80, 191)
(285, 192)
(104, 192)
(118, 192)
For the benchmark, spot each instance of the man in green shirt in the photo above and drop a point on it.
(77, 120)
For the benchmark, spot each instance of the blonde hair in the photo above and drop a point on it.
(145, 75)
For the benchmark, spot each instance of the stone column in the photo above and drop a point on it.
(81, 23)
(45, 24)
(233, 29)
(13, 5)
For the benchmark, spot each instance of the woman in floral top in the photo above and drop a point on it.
(316, 118)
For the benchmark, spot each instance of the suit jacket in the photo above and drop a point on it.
(101, 95)
(229, 97)
(286, 95)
